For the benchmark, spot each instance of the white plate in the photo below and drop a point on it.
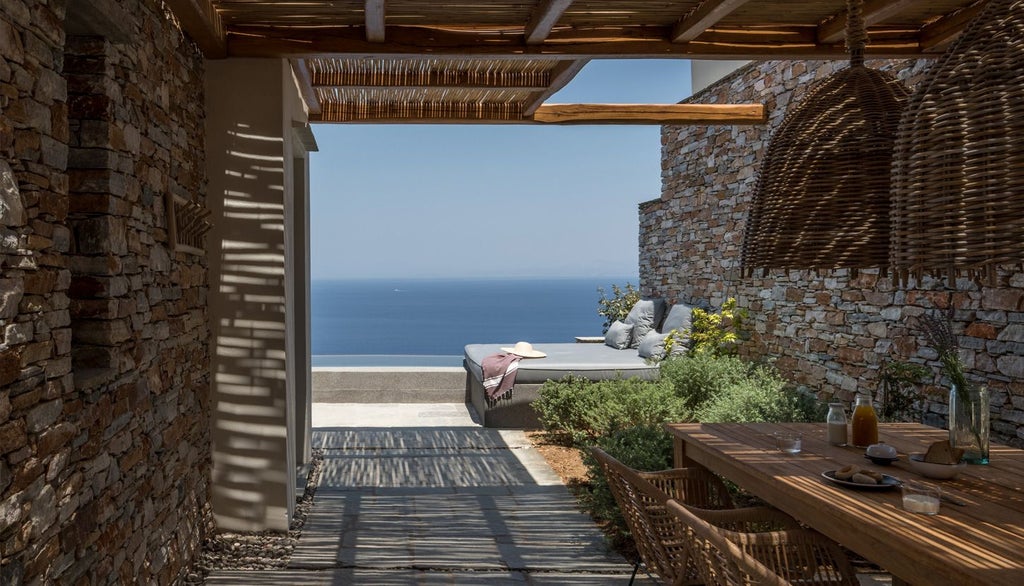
(887, 482)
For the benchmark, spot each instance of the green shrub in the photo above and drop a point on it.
(643, 447)
(696, 378)
(583, 410)
(718, 333)
(618, 305)
(762, 395)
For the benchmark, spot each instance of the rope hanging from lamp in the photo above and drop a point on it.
(822, 197)
(958, 171)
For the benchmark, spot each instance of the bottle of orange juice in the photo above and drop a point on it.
(864, 423)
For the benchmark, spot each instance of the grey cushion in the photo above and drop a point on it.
(653, 345)
(619, 335)
(592, 361)
(645, 315)
(680, 317)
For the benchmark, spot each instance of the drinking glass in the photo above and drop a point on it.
(789, 442)
(921, 498)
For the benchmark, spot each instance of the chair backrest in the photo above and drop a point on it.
(660, 540)
(720, 562)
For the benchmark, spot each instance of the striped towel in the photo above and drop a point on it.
(499, 372)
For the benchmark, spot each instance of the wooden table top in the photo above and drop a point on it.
(980, 543)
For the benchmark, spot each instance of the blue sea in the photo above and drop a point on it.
(404, 322)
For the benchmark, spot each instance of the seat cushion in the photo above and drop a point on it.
(591, 361)
(645, 315)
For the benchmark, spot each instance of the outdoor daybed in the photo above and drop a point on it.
(592, 361)
(631, 350)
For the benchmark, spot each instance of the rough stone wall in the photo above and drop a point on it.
(828, 332)
(104, 415)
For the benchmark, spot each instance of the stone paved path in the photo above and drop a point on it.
(421, 494)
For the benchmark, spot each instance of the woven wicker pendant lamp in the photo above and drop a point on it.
(822, 197)
(958, 171)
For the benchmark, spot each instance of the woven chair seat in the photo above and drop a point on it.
(767, 545)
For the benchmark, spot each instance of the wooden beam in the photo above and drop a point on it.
(650, 114)
(833, 30)
(201, 21)
(544, 18)
(936, 36)
(702, 18)
(374, 13)
(306, 85)
(782, 43)
(561, 75)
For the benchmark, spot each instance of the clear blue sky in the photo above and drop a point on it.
(431, 201)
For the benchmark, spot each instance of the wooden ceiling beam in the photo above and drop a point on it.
(201, 21)
(620, 114)
(936, 36)
(783, 43)
(374, 17)
(433, 86)
(561, 75)
(650, 114)
(544, 18)
(833, 30)
(702, 18)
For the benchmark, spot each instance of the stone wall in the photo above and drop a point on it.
(829, 332)
(104, 415)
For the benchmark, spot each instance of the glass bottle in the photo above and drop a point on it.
(835, 423)
(864, 424)
(969, 422)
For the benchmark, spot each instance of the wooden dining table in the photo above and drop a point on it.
(980, 542)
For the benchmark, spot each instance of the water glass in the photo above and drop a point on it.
(921, 498)
(789, 442)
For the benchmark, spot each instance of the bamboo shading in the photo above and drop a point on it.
(958, 171)
(823, 193)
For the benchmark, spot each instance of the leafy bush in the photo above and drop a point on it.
(697, 378)
(763, 397)
(618, 305)
(643, 447)
(584, 410)
(718, 333)
(899, 391)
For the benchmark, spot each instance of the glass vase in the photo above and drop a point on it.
(969, 422)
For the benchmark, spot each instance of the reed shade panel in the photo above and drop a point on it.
(822, 197)
(958, 171)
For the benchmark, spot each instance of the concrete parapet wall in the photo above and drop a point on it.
(389, 385)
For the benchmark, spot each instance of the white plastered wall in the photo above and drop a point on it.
(257, 295)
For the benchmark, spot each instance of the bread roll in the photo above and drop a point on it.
(861, 478)
(846, 473)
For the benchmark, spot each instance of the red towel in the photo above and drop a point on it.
(499, 372)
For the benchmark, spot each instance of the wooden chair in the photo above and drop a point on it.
(772, 538)
(660, 540)
(719, 561)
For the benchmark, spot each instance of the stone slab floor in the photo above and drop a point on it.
(422, 494)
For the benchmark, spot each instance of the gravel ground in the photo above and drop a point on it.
(261, 550)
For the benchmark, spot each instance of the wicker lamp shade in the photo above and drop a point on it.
(958, 171)
(823, 194)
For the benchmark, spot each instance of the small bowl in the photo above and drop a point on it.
(932, 470)
(881, 461)
(880, 450)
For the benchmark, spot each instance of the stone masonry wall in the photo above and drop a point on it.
(104, 384)
(828, 332)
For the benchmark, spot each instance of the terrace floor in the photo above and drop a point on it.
(422, 494)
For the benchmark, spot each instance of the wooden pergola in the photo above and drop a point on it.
(413, 61)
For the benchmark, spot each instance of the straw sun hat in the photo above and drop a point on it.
(524, 349)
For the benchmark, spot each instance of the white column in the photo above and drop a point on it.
(252, 295)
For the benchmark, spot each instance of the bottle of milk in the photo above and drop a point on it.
(836, 424)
